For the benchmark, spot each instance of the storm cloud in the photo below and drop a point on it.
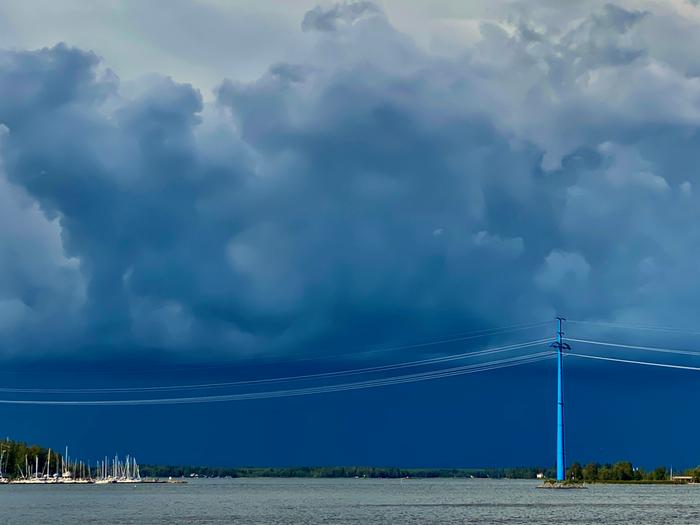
(371, 192)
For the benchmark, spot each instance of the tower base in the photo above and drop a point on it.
(554, 484)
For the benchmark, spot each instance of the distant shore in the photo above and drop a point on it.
(617, 473)
(161, 471)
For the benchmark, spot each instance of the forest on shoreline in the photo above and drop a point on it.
(620, 472)
(339, 472)
(14, 455)
(626, 472)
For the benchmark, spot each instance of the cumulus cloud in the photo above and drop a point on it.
(562, 269)
(329, 18)
(367, 188)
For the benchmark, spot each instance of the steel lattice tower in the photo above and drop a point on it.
(560, 345)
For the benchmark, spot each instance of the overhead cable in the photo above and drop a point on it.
(410, 378)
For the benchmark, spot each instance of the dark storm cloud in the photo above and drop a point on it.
(371, 193)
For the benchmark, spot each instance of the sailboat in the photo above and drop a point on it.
(129, 471)
(3, 479)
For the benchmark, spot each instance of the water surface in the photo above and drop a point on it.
(339, 501)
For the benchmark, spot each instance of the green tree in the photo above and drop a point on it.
(575, 472)
(658, 474)
(590, 472)
(623, 471)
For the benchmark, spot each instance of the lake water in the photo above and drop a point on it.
(356, 501)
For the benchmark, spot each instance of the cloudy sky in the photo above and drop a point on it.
(215, 181)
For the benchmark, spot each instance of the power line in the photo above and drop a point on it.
(634, 362)
(410, 378)
(630, 326)
(637, 347)
(320, 375)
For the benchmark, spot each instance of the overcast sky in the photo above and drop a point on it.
(214, 179)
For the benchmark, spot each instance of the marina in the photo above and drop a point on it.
(54, 469)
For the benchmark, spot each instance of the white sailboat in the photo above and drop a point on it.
(3, 479)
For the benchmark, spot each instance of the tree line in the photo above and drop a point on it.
(161, 471)
(16, 454)
(622, 471)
